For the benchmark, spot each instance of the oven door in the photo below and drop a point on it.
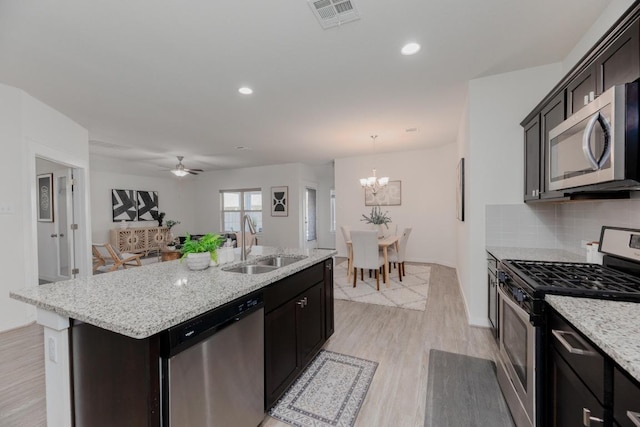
(586, 148)
(517, 356)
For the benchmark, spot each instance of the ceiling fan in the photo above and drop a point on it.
(180, 170)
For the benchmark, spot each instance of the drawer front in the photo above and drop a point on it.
(282, 291)
(583, 358)
(626, 400)
(492, 264)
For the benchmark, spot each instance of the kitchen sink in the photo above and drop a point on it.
(251, 269)
(264, 265)
(278, 261)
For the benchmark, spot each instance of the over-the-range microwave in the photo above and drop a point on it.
(596, 149)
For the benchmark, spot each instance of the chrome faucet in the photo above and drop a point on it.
(244, 252)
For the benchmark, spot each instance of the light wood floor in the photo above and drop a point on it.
(398, 339)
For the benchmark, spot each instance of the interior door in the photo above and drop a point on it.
(64, 210)
(310, 218)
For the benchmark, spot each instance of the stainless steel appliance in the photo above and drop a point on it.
(522, 288)
(213, 369)
(597, 147)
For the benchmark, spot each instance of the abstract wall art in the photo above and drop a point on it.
(147, 205)
(279, 201)
(45, 197)
(389, 195)
(123, 203)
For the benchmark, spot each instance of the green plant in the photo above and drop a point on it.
(207, 243)
(170, 223)
(377, 217)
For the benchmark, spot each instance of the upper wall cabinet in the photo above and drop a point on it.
(614, 60)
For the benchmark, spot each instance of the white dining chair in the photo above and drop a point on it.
(346, 234)
(365, 254)
(398, 256)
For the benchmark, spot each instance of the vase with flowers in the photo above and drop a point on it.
(378, 219)
(170, 238)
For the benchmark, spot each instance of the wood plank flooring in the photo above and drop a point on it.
(398, 339)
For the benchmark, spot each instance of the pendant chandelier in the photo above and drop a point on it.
(373, 182)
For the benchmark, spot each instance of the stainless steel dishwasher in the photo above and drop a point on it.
(213, 368)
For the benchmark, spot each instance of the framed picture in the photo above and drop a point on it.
(123, 205)
(147, 205)
(390, 195)
(460, 191)
(279, 201)
(45, 197)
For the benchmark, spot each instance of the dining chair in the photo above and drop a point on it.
(106, 255)
(346, 234)
(398, 256)
(366, 254)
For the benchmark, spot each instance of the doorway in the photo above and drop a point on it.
(310, 218)
(55, 233)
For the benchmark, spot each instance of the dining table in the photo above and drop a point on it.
(383, 243)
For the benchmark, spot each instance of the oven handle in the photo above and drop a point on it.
(571, 349)
(586, 141)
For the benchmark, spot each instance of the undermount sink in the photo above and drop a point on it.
(264, 265)
(251, 269)
(278, 261)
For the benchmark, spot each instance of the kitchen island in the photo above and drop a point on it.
(139, 304)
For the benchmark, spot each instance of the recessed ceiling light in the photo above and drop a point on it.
(245, 90)
(410, 48)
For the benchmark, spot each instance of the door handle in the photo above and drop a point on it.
(586, 141)
(61, 235)
(54, 235)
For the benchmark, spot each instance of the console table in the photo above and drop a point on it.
(138, 239)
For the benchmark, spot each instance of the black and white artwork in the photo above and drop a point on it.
(45, 197)
(123, 203)
(389, 195)
(147, 205)
(279, 201)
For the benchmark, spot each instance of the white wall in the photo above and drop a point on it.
(28, 127)
(277, 231)
(492, 139)
(176, 198)
(428, 199)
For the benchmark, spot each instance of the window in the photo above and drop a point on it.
(236, 203)
(310, 215)
(332, 207)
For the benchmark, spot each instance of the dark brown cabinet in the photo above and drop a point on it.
(492, 284)
(581, 90)
(329, 322)
(532, 159)
(295, 326)
(626, 400)
(620, 62)
(550, 117)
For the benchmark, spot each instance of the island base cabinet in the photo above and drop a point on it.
(626, 400)
(115, 379)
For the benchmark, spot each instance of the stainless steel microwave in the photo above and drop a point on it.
(597, 147)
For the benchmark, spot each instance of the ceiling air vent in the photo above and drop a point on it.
(332, 13)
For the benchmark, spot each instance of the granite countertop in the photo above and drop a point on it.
(142, 301)
(611, 325)
(535, 254)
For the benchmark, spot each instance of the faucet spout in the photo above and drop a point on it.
(244, 250)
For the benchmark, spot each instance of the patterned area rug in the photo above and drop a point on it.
(329, 392)
(411, 293)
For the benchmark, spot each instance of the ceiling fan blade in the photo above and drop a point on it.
(194, 170)
(191, 172)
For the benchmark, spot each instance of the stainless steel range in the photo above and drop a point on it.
(522, 288)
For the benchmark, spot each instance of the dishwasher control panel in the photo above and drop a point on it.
(195, 330)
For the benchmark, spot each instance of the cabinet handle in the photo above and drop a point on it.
(302, 303)
(54, 235)
(634, 417)
(587, 418)
(571, 349)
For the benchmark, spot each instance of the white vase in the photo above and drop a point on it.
(198, 261)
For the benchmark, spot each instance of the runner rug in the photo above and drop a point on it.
(329, 392)
(464, 391)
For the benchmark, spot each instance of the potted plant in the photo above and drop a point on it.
(199, 253)
(377, 218)
(170, 239)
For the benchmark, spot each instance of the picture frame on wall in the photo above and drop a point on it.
(123, 205)
(45, 197)
(147, 205)
(280, 201)
(389, 195)
(460, 191)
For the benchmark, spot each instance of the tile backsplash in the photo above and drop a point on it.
(557, 225)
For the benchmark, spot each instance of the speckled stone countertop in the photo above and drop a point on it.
(611, 325)
(535, 254)
(142, 301)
